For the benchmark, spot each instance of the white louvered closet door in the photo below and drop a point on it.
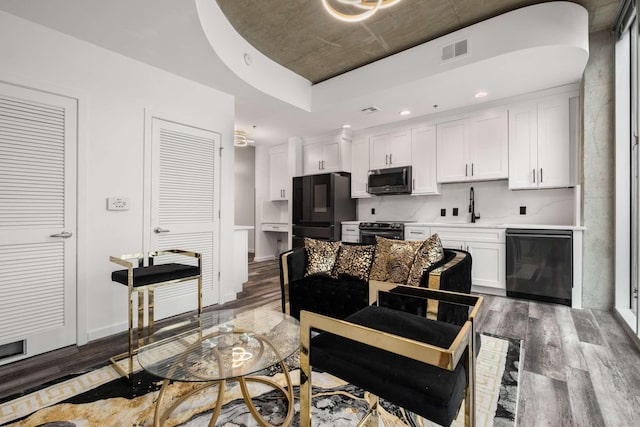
(184, 207)
(37, 222)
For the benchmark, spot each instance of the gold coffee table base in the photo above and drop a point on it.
(161, 418)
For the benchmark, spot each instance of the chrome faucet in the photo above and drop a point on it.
(472, 206)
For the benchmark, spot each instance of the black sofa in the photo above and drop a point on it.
(340, 298)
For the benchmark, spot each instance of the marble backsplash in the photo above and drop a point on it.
(494, 202)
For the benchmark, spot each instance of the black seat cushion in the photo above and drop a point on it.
(325, 295)
(156, 274)
(429, 391)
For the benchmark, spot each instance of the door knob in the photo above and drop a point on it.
(159, 230)
(65, 234)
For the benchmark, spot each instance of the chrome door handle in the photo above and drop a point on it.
(390, 159)
(386, 159)
(65, 234)
(159, 230)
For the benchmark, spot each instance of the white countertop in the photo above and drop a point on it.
(244, 227)
(486, 225)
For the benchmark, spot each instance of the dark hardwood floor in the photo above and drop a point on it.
(579, 367)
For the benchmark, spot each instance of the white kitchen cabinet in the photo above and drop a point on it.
(326, 154)
(452, 144)
(390, 150)
(416, 232)
(542, 144)
(350, 233)
(474, 148)
(423, 160)
(359, 167)
(278, 173)
(278, 227)
(487, 247)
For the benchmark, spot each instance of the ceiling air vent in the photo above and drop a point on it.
(454, 50)
(370, 110)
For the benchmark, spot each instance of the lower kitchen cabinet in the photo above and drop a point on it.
(350, 233)
(488, 255)
(416, 232)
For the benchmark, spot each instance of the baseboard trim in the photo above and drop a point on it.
(488, 290)
(621, 318)
(264, 258)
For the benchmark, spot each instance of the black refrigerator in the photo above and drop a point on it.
(320, 204)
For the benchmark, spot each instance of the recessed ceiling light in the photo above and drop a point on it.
(405, 112)
(481, 94)
(346, 126)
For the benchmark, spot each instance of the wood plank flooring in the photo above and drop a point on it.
(579, 367)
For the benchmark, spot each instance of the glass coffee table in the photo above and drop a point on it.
(221, 346)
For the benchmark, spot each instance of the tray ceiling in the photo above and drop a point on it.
(301, 36)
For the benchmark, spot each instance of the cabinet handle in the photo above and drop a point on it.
(415, 232)
(386, 159)
(467, 248)
(471, 169)
(323, 165)
(319, 167)
(540, 175)
(465, 173)
(534, 176)
(413, 184)
(390, 159)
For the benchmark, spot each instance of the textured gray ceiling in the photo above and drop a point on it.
(301, 36)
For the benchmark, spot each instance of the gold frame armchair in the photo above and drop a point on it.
(414, 362)
(140, 279)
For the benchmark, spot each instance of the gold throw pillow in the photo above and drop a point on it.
(354, 261)
(429, 253)
(393, 259)
(321, 256)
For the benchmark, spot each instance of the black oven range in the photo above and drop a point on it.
(388, 229)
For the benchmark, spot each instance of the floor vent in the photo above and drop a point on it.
(455, 50)
(11, 349)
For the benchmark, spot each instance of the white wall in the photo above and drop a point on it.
(245, 186)
(113, 93)
(494, 202)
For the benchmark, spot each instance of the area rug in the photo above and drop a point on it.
(101, 398)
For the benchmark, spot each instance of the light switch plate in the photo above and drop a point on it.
(118, 203)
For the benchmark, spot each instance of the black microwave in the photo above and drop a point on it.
(389, 181)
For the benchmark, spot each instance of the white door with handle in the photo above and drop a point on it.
(38, 140)
(185, 194)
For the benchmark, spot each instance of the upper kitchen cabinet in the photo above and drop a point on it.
(542, 143)
(328, 153)
(278, 173)
(359, 167)
(474, 148)
(423, 155)
(390, 150)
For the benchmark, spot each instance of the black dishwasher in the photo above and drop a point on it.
(540, 264)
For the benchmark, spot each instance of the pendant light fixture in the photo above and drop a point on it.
(368, 7)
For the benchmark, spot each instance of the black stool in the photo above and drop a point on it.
(140, 279)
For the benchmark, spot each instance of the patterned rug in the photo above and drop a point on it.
(101, 398)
